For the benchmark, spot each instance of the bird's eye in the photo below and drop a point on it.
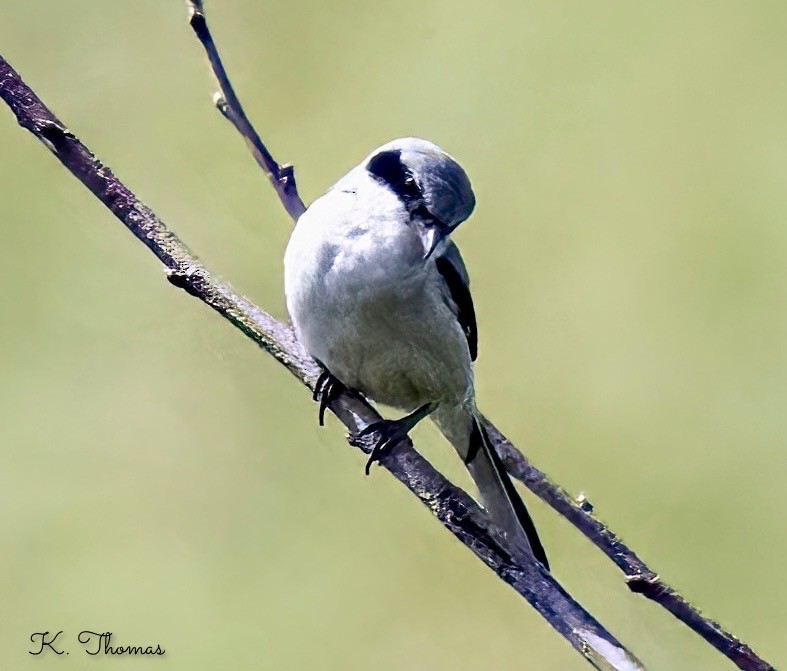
(410, 188)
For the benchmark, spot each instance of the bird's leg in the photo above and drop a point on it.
(390, 431)
(327, 388)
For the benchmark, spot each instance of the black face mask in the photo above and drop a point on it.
(388, 169)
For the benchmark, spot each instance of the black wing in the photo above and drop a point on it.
(452, 268)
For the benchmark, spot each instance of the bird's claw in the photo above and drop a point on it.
(383, 444)
(391, 431)
(327, 388)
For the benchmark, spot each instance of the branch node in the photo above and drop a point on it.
(196, 13)
(649, 585)
(584, 504)
(53, 134)
(181, 278)
(220, 102)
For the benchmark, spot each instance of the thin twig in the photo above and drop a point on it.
(639, 577)
(282, 177)
(453, 507)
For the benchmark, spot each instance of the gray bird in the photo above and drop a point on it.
(379, 296)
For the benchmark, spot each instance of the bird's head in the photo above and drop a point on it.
(431, 185)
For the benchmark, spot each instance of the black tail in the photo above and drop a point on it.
(500, 496)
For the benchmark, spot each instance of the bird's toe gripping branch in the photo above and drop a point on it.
(327, 388)
(388, 433)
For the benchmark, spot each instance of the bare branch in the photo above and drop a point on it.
(453, 507)
(639, 577)
(282, 177)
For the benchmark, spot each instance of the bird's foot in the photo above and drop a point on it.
(327, 388)
(391, 431)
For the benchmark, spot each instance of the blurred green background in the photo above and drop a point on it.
(163, 479)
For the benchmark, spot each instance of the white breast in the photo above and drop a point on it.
(362, 304)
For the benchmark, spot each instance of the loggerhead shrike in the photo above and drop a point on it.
(379, 296)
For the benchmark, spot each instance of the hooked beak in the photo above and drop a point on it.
(432, 237)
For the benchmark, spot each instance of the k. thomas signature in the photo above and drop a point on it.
(91, 642)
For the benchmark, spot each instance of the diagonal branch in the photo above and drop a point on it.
(452, 506)
(282, 177)
(640, 578)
